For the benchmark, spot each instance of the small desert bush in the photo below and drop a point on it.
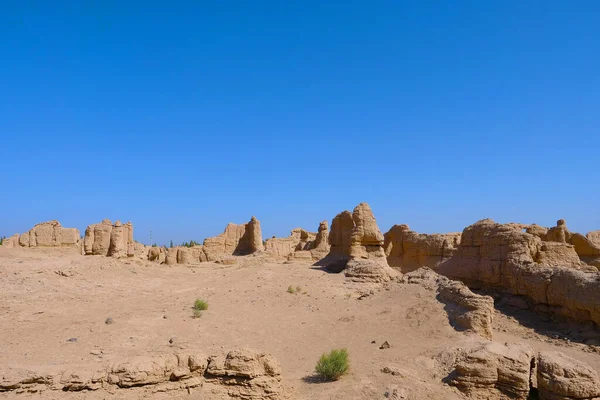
(333, 365)
(200, 305)
(297, 289)
(197, 313)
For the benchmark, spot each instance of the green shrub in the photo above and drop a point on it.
(197, 313)
(333, 365)
(291, 289)
(200, 305)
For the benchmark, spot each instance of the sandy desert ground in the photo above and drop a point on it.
(48, 296)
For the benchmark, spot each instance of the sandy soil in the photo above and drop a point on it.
(50, 296)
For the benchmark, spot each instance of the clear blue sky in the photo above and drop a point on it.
(182, 116)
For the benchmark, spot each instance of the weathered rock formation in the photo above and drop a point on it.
(301, 256)
(45, 234)
(560, 377)
(493, 370)
(558, 254)
(505, 258)
(301, 245)
(357, 247)
(236, 240)
(156, 254)
(320, 247)
(106, 239)
(466, 310)
(594, 237)
(369, 271)
(339, 240)
(177, 255)
(586, 248)
(366, 240)
(409, 250)
(245, 374)
(140, 250)
(242, 373)
(537, 230)
(171, 255)
(11, 242)
(299, 240)
(281, 247)
(190, 255)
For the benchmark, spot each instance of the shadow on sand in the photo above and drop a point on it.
(544, 322)
(314, 378)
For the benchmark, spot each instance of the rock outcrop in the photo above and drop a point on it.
(46, 234)
(586, 248)
(301, 256)
(558, 254)
(320, 247)
(171, 255)
(11, 242)
(493, 369)
(366, 240)
(339, 240)
(466, 310)
(357, 247)
(504, 258)
(177, 255)
(560, 377)
(235, 240)
(281, 247)
(140, 250)
(369, 271)
(513, 371)
(409, 250)
(594, 237)
(242, 373)
(559, 233)
(367, 258)
(191, 255)
(106, 239)
(156, 254)
(301, 245)
(299, 240)
(537, 230)
(254, 375)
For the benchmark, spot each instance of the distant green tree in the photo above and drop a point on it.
(172, 245)
(2, 240)
(191, 243)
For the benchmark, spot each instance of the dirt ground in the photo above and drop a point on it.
(50, 296)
